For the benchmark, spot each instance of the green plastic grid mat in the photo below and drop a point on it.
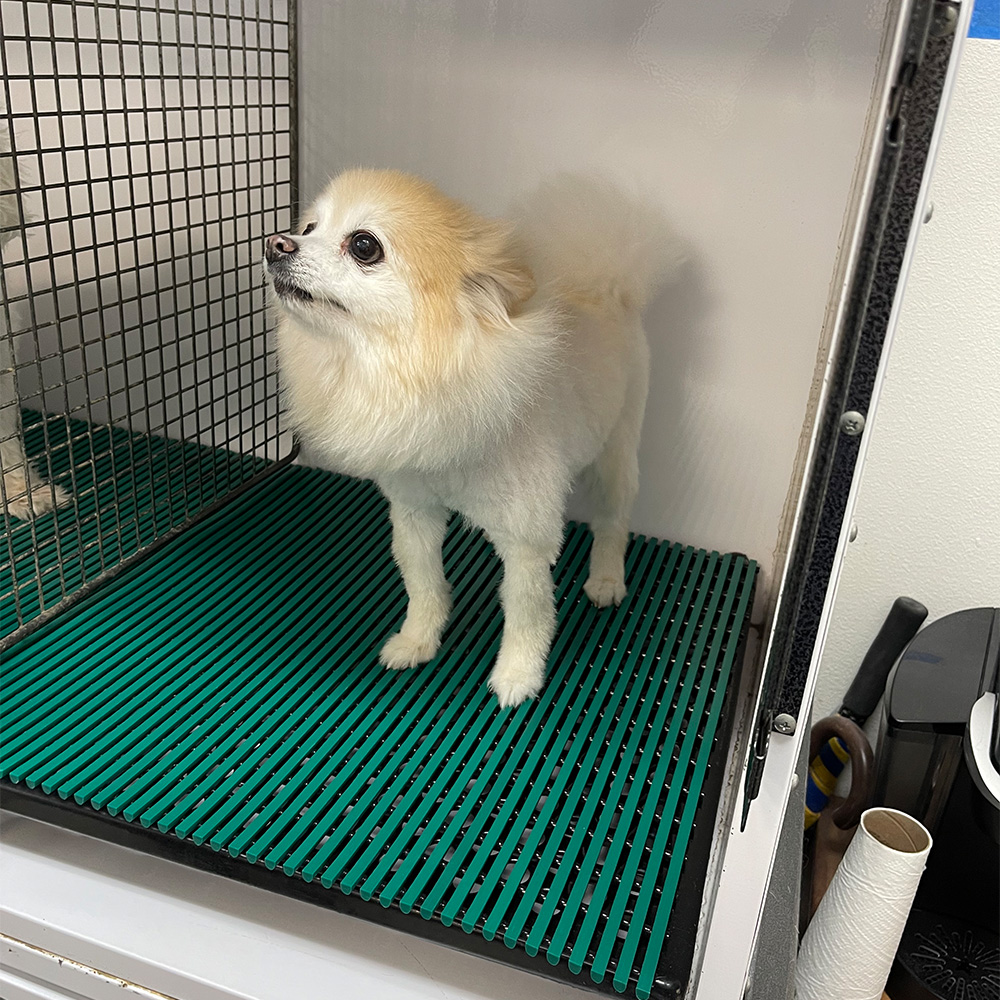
(226, 692)
(126, 490)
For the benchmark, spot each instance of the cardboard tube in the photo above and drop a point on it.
(849, 945)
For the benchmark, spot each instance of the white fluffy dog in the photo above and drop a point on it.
(471, 365)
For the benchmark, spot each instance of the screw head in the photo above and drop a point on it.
(852, 423)
(784, 724)
(929, 211)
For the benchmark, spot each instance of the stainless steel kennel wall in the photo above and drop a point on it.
(145, 147)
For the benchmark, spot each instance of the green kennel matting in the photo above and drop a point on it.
(221, 703)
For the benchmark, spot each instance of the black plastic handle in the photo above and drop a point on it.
(901, 624)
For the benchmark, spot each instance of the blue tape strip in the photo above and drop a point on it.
(834, 764)
(815, 798)
(985, 19)
(834, 755)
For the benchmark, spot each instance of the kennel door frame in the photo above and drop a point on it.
(733, 938)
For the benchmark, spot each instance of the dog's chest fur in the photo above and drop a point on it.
(369, 412)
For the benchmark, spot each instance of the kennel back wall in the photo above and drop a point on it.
(151, 146)
(746, 129)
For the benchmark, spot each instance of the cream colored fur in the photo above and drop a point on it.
(479, 367)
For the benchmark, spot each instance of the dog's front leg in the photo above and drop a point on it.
(529, 620)
(417, 536)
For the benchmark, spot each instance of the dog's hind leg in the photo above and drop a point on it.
(24, 493)
(614, 477)
(417, 537)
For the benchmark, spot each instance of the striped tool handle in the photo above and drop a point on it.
(900, 626)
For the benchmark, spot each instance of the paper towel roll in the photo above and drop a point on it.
(848, 947)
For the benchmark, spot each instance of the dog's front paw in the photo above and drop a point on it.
(605, 590)
(402, 651)
(43, 498)
(47, 498)
(514, 681)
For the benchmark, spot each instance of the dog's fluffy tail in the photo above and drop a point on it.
(598, 244)
(9, 214)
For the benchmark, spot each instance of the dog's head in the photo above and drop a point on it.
(383, 253)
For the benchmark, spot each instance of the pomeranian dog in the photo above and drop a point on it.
(467, 364)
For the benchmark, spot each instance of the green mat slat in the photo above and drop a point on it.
(664, 680)
(412, 843)
(672, 880)
(121, 668)
(300, 763)
(500, 840)
(451, 661)
(183, 765)
(646, 881)
(109, 618)
(376, 767)
(586, 789)
(226, 691)
(159, 695)
(646, 807)
(210, 796)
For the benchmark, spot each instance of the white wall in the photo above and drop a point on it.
(745, 121)
(928, 505)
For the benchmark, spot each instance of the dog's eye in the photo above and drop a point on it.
(310, 226)
(364, 247)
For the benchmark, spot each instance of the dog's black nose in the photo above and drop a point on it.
(278, 246)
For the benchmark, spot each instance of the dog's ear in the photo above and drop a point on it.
(498, 281)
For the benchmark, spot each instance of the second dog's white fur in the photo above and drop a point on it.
(475, 366)
(24, 493)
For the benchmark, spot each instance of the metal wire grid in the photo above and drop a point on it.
(151, 146)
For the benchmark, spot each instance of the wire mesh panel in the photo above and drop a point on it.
(145, 147)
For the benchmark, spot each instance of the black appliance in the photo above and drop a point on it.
(939, 760)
